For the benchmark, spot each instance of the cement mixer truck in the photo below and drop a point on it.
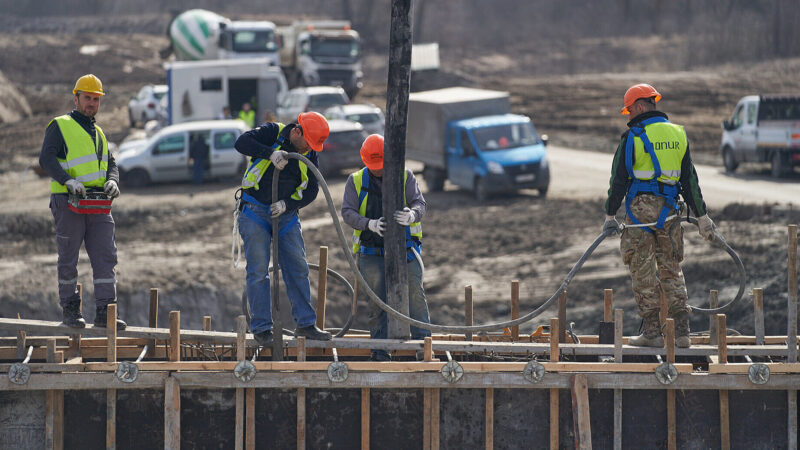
(198, 34)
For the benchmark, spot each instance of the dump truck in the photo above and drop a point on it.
(321, 53)
(198, 34)
(763, 128)
(469, 138)
(199, 90)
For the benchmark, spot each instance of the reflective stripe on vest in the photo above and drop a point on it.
(258, 167)
(361, 181)
(82, 162)
(669, 145)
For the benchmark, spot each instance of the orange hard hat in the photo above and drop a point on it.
(315, 129)
(636, 92)
(372, 152)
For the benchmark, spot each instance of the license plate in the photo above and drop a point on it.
(525, 177)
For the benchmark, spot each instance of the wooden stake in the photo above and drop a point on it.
(580, 412)
(250, 419)
(54, 420)
(207, 323)
(301, 418)
(111, 333)
(364, 418)
(792, 309)
(670, 340)
(239, 431)
(21, 348)
(724, 421)
(435, 418)
(489, 418)
(515, 309)
(153, 320)
(554, 333)
(758, 314)
(175, 336)
(713, 302)
(608, 302)
(792, 417)
(554, 354)
(172, 412)
(618, 313)
(468, 311)
(562, 318)
(51, 350)
(672, 435)
(241, 336)
(241, 355)
(301, 348)
(428, 349)
(322, 286)
(426, 418)
(111, 419)
(722, 339)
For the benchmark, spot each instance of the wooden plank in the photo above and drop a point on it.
(562, 317)
(617, 419)
(174, 335)
(618, 314)
(580, 412)
(241, 334)
(428, 350)
(672, 435)
(515, 309)
(744, 367)
(608, 303)
(301, 348)
(51, 350)
(365, 418)
(554, 333)
(301, 418)
(713, 302)
(54, 419)
(172, 414)
(239, 426)
(554, 419)
(468, 311)
(250, 419)
(426, 419)
(111, 327)
(758, 315)
(792, 298)
(722, 343)
(435, 418)
(489, 424)
(111, 418)
(21, 347)
(792, 418)
(322, 286)
(724, 420)
(670, 340)
(152, 320)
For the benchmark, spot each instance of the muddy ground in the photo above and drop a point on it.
(178, 238)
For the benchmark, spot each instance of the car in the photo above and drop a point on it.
(342, 149)
(164, 157)
(314, 98)
(146, 105)
(370, 116)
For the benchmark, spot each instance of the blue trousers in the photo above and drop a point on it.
(372, 268)
(292, 259)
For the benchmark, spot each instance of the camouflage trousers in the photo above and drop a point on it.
(653, 260)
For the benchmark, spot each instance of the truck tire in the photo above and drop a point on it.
(729, 160)
(434, 178)
(481, 189)
(543, 191)
(778, 165)
(137, 178)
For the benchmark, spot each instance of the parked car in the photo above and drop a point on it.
(314, 98)
(165, 156)
(370, 116)
(146, 105)
(342, 149)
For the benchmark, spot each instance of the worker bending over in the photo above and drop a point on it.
(362, 209)
(267, 146)
(651, 167)
(75, 155)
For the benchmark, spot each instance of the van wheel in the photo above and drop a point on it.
(481, 190)
(729, 160)
(137, 178)
(434, 178)
(778, 166)
(543, 192)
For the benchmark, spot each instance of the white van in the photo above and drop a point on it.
(164, 157)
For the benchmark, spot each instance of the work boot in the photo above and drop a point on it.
(380, 356)
(651, 335)
(101, 318)
(72, 316)
(264, 338)
(313, 333)
(682, 339)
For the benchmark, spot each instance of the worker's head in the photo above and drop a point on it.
(310, 133)
(372, 154)
(639, 99)
(88, 90)
(245, 106)
(269, 116)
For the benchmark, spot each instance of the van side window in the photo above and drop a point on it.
(170, 145)
(466, 144)
(751, 113)
(224, 140)
(738, 117)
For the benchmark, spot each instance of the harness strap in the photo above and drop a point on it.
(247, 198)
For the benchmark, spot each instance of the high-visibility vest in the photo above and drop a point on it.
(249, 117)
(258, 167)
(361, 181)
(669, 144)
(87, 159)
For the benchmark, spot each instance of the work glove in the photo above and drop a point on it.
(706, 226)
(76, 187)
(404, 217)
(377, 226)
(277, 208)
(111, 189)
(610, 226)
(279, 158)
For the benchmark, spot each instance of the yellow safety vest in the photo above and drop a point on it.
(255, 171)
(86, 161)
(669, 142)
(249, 117)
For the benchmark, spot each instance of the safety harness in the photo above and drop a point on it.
(651, 186)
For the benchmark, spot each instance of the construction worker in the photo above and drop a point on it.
(362, 209)
(268, 146)
(75, 155)
(247, 115)
(651, 167)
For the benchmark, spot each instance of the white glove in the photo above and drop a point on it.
(277, 208)
(706, 226)
(76, 187)
(278, 157)
(404, 217)
(377, 226)
(111, 189)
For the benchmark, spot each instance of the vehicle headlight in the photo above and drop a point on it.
(495, 167)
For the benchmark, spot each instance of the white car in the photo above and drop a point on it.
(146, 105)
(369, 116)
(164, 157)
(342, 149)
(314, 98)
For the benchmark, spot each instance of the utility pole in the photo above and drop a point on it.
(394, 157)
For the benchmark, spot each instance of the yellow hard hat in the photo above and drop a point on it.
(89, 83)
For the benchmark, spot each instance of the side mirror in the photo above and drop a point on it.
(726, 125)
(545, 139)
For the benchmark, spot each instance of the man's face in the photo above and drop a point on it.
(87, 103)
(298, 141)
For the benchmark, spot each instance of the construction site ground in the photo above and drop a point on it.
(177, 237)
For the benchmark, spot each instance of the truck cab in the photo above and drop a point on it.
(498, 153)
(249, 39)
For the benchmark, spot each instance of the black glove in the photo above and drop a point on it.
(610, 226)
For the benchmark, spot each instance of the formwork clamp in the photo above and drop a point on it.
(533, 371)
(666, 373)
(127, 371)
(758, 373)
(337, 370)
(20, 373)
(452, 370)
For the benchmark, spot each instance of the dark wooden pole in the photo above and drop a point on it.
(394, 163)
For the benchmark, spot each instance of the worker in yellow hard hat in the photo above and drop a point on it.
(75, 155)
(652, 166)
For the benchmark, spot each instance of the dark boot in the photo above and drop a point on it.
(313, 333)
(682, 339)
(651, 335)
(72, 316)
(101, 319)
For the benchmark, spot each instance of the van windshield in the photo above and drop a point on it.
(501, 137)
(254, 41)
(334, 48)
(323, 100)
